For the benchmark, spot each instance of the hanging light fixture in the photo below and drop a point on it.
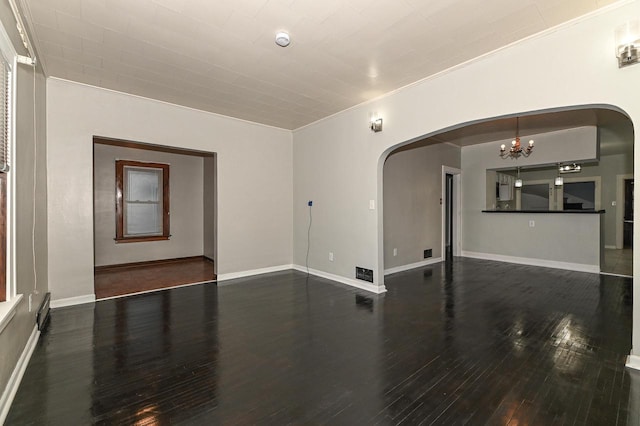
(559, 180)
(516, 149)
(518, 182)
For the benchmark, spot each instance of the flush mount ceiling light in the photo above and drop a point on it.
(516, 149)
(282, 39)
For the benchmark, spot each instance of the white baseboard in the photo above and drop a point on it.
(579, 267)
(363, 285)
(243, 274)
(633, 361)
(412, 266)
(611, 247)
(71, 301)
(16, 376)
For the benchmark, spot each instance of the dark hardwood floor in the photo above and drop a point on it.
(132, 278)
(475, 342)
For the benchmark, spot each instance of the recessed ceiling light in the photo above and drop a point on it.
(282, 39)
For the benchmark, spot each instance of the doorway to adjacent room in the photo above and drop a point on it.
(154, 217)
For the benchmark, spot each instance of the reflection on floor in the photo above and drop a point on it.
(129, 279)
(474, 342)
(619, 262)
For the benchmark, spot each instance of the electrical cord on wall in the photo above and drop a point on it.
(35, 177)
(309, 237)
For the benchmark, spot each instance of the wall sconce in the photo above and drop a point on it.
(559, 181)
(376, 125)
(627, 43)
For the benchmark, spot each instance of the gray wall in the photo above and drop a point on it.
(31, 153)
(567, 238)
(186, 202)
(254, 179)
(412, 210)
(608, 168)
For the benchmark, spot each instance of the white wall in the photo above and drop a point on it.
(254, 174)
(185, 200)
(338, 161)
(412, 209)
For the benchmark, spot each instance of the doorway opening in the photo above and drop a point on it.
(451, 213)
(137, 247)
(618, 257)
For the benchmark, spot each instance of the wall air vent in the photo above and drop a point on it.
(364, 274)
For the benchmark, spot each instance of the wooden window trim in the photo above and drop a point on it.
(120, 237)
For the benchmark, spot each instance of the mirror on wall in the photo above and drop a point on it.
(546, 188)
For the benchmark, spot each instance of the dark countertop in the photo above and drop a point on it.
(546, 211)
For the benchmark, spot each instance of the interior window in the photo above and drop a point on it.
(535, 196)
(579, 195)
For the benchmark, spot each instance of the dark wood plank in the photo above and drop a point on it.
(473, 342)
(117, 280)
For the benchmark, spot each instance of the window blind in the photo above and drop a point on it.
(5, 116)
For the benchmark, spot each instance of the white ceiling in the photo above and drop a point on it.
(220, 56)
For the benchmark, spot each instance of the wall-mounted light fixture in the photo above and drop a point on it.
(627, 43)
(570, 168)
(376, 123)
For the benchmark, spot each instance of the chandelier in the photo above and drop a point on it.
(516, 149)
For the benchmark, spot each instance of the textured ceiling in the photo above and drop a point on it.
(220, 56)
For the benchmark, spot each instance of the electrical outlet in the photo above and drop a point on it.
(331, 256)
(532, 223)
(395, 251)
(310, 203)
(30, 301)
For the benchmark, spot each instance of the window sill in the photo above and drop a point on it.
(8, 311)
(141, 239)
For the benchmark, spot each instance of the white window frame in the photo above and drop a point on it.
(8, 307)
